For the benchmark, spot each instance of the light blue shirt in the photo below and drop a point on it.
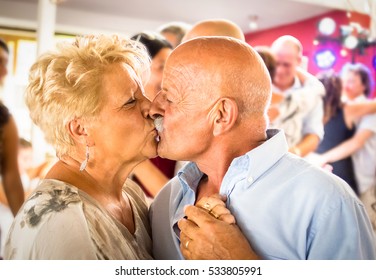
(286, 207)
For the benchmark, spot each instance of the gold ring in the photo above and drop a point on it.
(211, 212)
(206, 206)
(187, 243)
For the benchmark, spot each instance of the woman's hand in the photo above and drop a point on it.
(215, 205)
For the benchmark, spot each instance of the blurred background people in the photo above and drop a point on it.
(153, 174)
(174, 32)
(357, 85)
(298, 101)
(4, 58)
(12, 193)
(302, 125)
(30, 173)
(339, 125)
(25, 161)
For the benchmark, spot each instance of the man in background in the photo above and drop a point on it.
(302, 117)
(174, 32)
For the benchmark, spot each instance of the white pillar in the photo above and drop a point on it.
(45, 42)
(46, 25)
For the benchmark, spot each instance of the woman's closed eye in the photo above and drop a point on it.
(131, 101)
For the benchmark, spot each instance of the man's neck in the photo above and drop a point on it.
(216, 163)
(214, 172)
(285, 86)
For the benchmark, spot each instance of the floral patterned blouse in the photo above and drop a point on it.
(59, 222)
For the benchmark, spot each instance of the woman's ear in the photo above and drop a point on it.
(225, 115)
(77, 131)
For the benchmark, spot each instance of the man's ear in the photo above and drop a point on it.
(77, 131)
(225, 115)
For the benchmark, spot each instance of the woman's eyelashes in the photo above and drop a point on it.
(131, 101)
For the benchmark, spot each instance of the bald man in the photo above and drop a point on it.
(301, 115)
(214, 27)
(212, 112)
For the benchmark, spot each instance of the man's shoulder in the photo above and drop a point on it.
(314, 180)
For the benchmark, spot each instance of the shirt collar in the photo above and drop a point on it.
(257, 161)
(189, 177)
(296, 85)
(254, 163)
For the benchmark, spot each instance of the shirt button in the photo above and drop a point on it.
(250, 179)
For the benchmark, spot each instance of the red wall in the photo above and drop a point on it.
(306, 31)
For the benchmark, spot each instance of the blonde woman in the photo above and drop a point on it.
(88, 99)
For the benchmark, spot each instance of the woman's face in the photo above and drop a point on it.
(123, 131)
(153, 86)
(352, 85)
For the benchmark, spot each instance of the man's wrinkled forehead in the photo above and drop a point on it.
(179, 69)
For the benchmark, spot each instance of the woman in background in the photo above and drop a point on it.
(10, 176)
(357, 86)
(338, 127)
(11, 190)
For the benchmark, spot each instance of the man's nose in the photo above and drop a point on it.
(156, 108)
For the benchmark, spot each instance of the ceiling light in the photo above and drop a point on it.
(343, 52)
(326, 26)
(350, 42)
(325, 59)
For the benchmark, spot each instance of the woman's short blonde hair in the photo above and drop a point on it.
(65, 84)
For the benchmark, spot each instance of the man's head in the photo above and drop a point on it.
(4, 56)
(288, 52)
(214, 27)
(174, 32)
(215, 91)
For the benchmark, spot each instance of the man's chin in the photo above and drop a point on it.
(161, 151)
(160, 154)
